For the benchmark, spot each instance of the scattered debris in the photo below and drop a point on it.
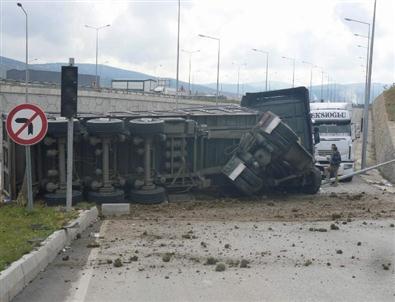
(211, 261)
(386, 267)
(93, 244)
(220, 267)
(66, 258)
(244, 263)
(166, 257)
(318, 230)
(336, 216)
(307, 262)
(203, 244)
(134, 258)
(118, 262)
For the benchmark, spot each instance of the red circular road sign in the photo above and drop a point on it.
(26, 124)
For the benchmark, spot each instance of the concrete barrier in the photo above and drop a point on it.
(384, 137)
(115, 209)
(21, 272)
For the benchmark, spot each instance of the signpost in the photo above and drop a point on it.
(27, 125)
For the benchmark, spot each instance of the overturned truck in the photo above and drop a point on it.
(263, 145)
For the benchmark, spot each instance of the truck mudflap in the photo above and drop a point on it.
(270, 156)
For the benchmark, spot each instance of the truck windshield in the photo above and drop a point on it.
(335, 129)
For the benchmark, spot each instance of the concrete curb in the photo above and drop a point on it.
(21, 272)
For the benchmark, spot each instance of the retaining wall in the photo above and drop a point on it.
(384, 138)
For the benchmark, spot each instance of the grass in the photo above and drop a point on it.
(17, 226)
(389, 96)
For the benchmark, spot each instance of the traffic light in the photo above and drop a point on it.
(69, 88)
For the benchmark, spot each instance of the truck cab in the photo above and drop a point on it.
(333, 122)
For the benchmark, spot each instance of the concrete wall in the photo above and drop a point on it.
(384, 138)
(90, 100)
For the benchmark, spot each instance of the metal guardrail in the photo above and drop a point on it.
(117, 91)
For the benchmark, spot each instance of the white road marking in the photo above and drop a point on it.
(86, 275)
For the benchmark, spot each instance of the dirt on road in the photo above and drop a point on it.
(327, 206)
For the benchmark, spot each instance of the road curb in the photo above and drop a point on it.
(21, 272)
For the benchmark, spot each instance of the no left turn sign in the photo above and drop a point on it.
(26, 124)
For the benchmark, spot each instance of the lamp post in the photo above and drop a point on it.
(267, 64)
(190, 52)
(219, 51)
(367, 83)
(238, 77)
(293, 69)
(322, 83)
(28, 165)
(178, 50)
(312, 66)
(97, 46)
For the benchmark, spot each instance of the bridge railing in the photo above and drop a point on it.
(38, 84)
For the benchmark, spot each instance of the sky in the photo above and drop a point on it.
(143, 37)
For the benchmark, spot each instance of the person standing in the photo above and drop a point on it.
(334, 164)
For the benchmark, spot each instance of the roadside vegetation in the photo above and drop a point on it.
(389, 95)
(21, 230)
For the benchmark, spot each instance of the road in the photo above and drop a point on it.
(290, 257)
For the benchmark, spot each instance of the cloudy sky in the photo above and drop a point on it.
(143, 37)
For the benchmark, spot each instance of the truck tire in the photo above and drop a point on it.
(251, 178)
(58, 127)
(314, 182)
(105, 126)
(153, 196)
(117, 196)
(244, 186)
(146, 127)
(56, 199)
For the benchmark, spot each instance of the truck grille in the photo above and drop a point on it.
(324, 152)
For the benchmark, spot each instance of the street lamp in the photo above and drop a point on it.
(178, 50)
(293, 69)
(322, 81)
(28, 165)
(97, 46)
(190, 52)
(267, 64)
(311, 77)
(238, 77)
(367, 84)
(219, 51)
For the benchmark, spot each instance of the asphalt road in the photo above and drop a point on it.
(289, 257)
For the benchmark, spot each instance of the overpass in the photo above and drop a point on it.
(91, 100)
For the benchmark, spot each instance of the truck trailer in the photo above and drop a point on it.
(142, 156)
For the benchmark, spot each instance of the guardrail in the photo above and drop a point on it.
(36, 84)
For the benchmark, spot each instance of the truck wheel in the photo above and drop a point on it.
(58, 127)
(153, 196)
(103, 126)
(146, 126)
(251, 178)
(56, 199)
(244, 186)
(117, 196)
(314, 182)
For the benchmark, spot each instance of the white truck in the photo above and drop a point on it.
(333, 121)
